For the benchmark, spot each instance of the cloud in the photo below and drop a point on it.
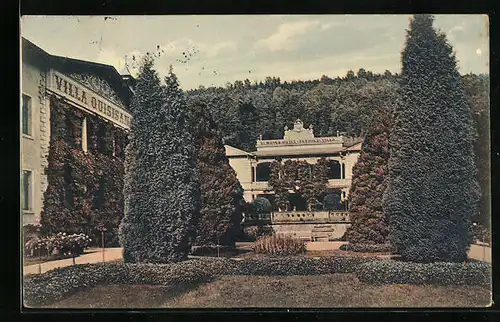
(285, 37)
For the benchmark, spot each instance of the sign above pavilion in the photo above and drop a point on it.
(299, 136)
(87, 99)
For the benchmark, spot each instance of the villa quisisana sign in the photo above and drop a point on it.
(87, 99)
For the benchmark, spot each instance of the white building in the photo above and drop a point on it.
(299, 143)
(95, 88)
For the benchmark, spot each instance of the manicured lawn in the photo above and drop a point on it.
(324, 291)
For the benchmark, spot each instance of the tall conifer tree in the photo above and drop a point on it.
(161, 189)
(221, 192)
(432, 190)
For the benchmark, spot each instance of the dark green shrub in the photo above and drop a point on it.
(279, 245)
(443, 273)
(368, 248)
(261, 206)
(332, 202)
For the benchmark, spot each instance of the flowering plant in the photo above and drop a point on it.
(63, 243)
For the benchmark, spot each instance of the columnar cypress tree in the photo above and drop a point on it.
(432, 190)
(221, 192)
(368, 221)
(161, 188)
(134, 231)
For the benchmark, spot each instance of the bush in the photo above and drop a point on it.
(279, 245)
(332, 202)
(399, 272)
(261, 205)
(73, 244)
(368, 248)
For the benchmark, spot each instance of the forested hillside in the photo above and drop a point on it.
(244, 110)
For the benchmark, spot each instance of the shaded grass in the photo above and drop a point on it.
(321, 291)
(122, 296)
(325, 291)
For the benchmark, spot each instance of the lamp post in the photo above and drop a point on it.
(103, 229)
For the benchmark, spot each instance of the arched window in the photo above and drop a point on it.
(263, 171)
(334, 171)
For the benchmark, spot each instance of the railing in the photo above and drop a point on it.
(260, 185)
(299, 217)
(332, 183)
(311, 216)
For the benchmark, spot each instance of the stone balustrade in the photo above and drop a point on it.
(310, 216)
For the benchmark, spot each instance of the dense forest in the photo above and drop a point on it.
(245, 110)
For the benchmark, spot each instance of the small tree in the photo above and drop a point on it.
(432, 191)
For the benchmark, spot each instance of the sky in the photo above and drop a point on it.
(226, 48)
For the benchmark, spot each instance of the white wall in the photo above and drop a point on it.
(31, 152)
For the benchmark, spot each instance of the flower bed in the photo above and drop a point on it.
(398, 272)
(69, 245)
(279, 245)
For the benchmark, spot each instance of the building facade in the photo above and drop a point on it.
(97, 91)
(298, 143)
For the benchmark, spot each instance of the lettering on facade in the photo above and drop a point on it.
(303, 141)
(88, 99)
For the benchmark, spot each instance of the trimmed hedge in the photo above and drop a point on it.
(398, 272)
(368, 248)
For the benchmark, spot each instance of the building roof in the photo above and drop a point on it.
(231, 151)
(35, 55)
(355, 147)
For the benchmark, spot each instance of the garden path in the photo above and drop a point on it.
(91, 256)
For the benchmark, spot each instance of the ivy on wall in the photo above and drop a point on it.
(84, 192)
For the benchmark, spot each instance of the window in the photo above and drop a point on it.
(26, 115)
(84, 135)
(263, 172)
(27, 188)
